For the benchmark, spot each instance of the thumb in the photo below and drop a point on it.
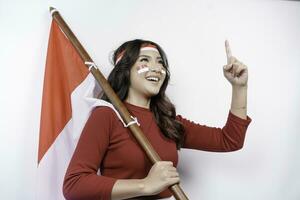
(227, 67)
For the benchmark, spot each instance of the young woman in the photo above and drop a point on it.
(140, 78)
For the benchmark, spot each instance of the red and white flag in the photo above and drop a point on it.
(68, 98)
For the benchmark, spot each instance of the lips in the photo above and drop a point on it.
(153, 78)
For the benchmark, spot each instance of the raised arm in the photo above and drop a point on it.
(231, 136)
(228, 138)
(237, 74)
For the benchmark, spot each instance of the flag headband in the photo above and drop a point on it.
(146, 47)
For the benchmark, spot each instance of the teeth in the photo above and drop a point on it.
(152, 78)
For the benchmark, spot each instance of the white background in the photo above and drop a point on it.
(263, 34)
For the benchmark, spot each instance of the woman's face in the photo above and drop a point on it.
(147, 74)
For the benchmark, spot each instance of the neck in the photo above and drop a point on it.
(140, 101)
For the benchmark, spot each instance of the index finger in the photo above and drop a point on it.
(228, 51)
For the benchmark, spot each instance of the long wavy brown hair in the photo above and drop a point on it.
(119, 79)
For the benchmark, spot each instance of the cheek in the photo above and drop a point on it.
(142, 69)
(135, 78)
(164, 79)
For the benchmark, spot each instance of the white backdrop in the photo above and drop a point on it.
(263, 34)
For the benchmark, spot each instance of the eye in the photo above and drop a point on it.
(144, 59)
(161, 62)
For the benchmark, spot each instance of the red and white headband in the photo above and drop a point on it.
(145, 47)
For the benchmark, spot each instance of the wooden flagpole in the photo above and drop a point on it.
(135, 129)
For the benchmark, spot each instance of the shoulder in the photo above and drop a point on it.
(181, 119)
(104, 112)
(188, 123)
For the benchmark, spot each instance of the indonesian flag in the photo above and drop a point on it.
(68, 98)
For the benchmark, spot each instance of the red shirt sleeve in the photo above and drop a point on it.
(229, 138)
(81, 180)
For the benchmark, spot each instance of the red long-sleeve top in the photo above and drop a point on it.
(106, 144)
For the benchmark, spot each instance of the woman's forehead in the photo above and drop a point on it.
(149, 53)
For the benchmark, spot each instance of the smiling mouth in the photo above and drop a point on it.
(153, 78)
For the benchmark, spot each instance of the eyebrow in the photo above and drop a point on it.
(149, 56)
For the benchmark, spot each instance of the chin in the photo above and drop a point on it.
(152, 94)
(152, 91)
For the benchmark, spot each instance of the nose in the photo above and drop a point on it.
(156, 69)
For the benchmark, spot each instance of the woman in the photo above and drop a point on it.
(140, 78)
